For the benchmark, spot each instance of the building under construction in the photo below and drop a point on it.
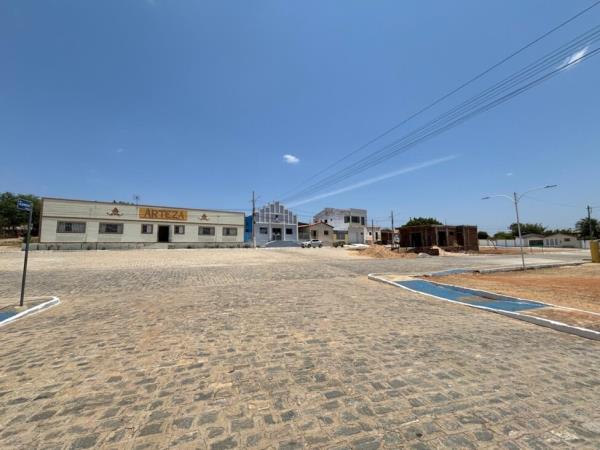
(447, 237)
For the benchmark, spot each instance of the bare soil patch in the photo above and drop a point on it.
(573, 287)
(12, 242)
(576, 318)
(379, 251)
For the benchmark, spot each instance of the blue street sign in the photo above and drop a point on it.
(24, 205)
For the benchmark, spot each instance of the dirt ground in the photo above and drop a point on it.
(379, 251)
(573, 287)
(10, 242)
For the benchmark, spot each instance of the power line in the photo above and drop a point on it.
(452, 92)
(468, 109)
(368, 161)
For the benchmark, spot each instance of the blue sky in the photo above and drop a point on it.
(195, 103)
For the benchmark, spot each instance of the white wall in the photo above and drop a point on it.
(94, 213)
(515, 243)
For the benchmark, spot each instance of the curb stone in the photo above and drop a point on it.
(547, 323)
(35, 309)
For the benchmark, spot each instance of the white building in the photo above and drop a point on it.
(562, 240)
(531, 240)
(73, 224)
(274, 222)
(348, 224)
(374, 234)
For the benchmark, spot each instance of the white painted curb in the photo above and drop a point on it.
(53, 301)
(555, 325)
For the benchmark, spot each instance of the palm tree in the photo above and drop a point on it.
(583, 228)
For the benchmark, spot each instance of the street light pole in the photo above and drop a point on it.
(516, 201)
(515, 198)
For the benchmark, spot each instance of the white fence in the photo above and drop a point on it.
(515, 243)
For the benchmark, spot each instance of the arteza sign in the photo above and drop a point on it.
(162, 214)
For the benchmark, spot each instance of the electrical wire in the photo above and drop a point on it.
(479, 99)
(467, 109)
(452, 92)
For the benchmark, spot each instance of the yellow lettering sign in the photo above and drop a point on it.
(162, 214)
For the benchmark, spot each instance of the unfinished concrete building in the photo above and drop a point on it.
(447, 237)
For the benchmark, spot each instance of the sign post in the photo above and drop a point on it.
(25, 205)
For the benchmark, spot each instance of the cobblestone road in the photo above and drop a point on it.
(281, 349)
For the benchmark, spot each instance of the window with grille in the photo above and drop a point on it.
(70, 227)
(111, 228)
(229, 231)
(206, 231)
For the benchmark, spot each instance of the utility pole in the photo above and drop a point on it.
(589, 210)
(516, 200)
(393, 231)
(372, 232)
(253, 220)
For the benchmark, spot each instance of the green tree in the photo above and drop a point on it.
(422, 221)
(503, 235)
(560, 231)
(11, 217)
(583, 228)
(527, 228)
(483, 235)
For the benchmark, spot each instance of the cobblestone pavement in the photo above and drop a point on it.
(281, 349)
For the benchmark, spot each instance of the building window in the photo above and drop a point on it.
(362, 220)
(326, 232)
(264, 230)
(111, 228)
(289, 231)
(206, 231)
(355, 219)
(229, 231)
(313, 233)
(346, 219)
(147, 228)
(70, 227)
(567, 239)
(179, 229)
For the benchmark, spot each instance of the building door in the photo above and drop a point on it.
(163, 233)
(442, 241)
(416, 240)
(276, 234)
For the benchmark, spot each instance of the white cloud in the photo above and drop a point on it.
(402, 171)
(509, 174)
(120, 150)
(291, 159)
(575, 58)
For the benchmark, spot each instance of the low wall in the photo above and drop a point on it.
(132, 246)
(515, 243)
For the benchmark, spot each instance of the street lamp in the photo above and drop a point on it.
(516, 198)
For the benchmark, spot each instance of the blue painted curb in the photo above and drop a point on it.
(515, 314)
(35, 309)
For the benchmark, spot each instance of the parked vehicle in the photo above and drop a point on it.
(312, 243)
